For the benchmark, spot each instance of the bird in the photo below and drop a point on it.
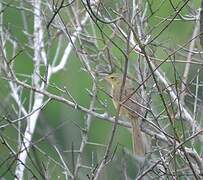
(131, 108)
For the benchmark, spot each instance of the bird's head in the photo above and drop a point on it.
(113, 79)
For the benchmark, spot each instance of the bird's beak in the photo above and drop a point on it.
(104, 77)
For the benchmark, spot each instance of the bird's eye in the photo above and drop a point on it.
(112, 77)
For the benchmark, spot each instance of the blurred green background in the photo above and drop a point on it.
(59, 125)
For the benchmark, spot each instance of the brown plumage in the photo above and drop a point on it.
(131, 108)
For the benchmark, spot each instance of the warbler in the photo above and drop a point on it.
(131, 108)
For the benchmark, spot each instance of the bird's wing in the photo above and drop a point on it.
(135, 110)
(132, 102)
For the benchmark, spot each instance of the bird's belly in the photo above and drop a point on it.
(123, 112)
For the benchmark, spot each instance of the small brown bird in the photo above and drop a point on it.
(131, 108)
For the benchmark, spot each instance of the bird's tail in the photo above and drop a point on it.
(137, 138)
